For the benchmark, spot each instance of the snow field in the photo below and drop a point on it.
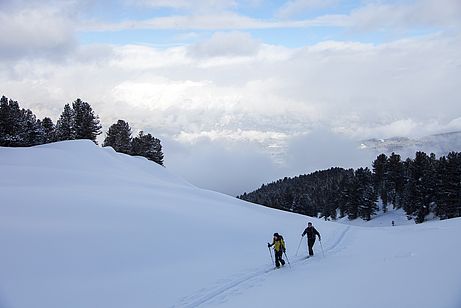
(82, 226)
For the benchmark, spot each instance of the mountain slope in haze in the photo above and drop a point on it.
(439, 144)
(82, 226)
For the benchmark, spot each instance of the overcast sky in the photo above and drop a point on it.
(242, 92)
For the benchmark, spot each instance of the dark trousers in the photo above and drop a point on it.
(310, 244)
(278, 258)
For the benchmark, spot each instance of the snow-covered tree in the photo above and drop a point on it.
(119, 137)
(78, 122)
(18, 127)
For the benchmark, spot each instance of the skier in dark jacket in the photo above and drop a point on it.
(279, 249)
(311, 232)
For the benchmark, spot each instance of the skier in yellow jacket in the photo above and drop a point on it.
(279, 249)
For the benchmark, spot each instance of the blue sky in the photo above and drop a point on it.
(271, 12)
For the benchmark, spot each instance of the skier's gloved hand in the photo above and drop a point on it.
(268, 245)
(284, 250)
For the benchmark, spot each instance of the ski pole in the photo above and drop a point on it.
(321, 246)
(299, 245)
(287, 258)
(271, 255)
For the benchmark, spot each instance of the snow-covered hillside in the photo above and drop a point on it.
(82, 226)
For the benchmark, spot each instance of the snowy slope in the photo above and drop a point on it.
(82, 226)
(404, 267)
(381, 219)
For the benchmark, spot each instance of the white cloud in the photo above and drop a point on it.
(454, 125)
(39, 32)
(253, 136)
(215, 21)
(407, 15)
(226, 44)
(353, 88)
(145, 58)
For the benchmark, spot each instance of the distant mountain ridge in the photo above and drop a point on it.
(439, 144)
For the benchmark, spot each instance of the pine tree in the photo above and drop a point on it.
(449, 186)
(156, 152)
(442, 195)
(18, 127)
(366, 193)
(429, 187)
(65, 127)
(31, 130)
(48, 130)
(344, 191)
(86, 124)
(395, 181)
(147, 146)
(353, 198)
(419, 190)
(11, 121)
(380, 174)
(119, 137)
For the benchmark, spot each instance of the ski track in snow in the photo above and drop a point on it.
(205, 295)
